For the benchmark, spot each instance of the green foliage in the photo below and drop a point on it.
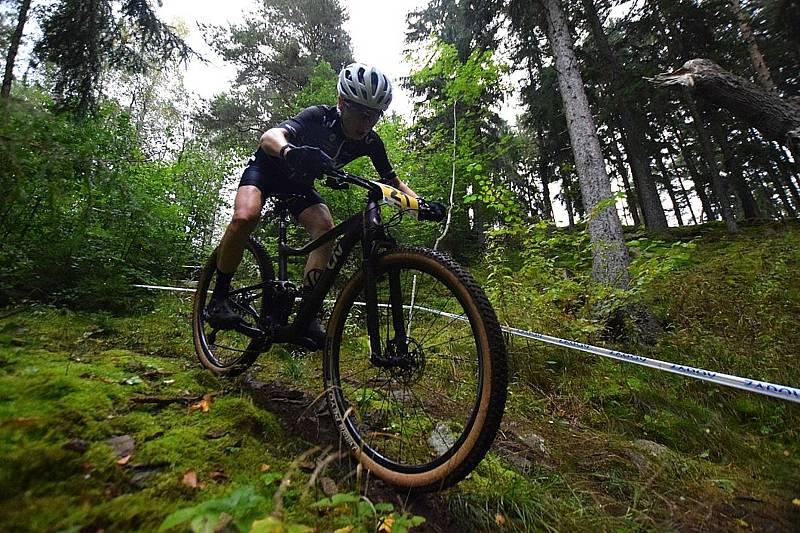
(320, 89)
(85, 214)
(277, 52)
(362, 515)
(244, 505)
(467, 89)
(83, 40)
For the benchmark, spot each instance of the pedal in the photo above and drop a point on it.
(307, 343)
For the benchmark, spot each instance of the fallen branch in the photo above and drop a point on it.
(277, 500)
(166, 400)
(778, 119)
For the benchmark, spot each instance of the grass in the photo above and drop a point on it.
(586, 443)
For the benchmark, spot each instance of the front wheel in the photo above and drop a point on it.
(229, 352)
(425, 421)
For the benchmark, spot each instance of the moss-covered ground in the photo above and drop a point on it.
(108, 423)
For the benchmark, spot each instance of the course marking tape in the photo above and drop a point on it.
(765, 388)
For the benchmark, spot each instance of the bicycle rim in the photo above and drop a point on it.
(230, 352)
(427, 424)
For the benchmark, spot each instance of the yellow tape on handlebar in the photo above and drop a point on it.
(400, 200)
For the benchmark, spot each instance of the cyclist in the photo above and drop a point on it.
(288, 160)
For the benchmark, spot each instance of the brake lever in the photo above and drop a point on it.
(333, 183)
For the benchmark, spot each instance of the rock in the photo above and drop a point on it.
(441, 439)
(122, 445)
(653, 448)
(520, 463)
(534, 442)
(215, 433)
(642, 464)
(143, 474)
(329, 487)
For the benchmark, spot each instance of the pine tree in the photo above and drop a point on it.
(610, 256)
(85, 38)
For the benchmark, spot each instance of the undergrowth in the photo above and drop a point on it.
(586, 443)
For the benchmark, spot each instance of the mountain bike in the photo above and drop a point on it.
(414, 361)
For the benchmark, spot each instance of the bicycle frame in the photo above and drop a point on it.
(365, 228)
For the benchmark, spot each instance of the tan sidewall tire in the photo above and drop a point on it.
(476, 441)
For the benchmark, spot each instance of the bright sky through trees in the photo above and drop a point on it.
(377, 33)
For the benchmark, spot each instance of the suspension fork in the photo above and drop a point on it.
(374, 238)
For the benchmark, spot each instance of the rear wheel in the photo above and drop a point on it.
(425, 421)
(229, 352)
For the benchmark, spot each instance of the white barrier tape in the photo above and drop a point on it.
(760, 387)
(752, 385)
(161, 288)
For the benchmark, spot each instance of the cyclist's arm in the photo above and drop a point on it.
(273, 140)
(399, 184)
(381, 163)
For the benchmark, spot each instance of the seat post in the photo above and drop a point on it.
(283, 220)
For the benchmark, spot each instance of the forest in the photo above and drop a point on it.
(645, 198)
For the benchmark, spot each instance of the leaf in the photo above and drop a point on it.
(274, 525)
(336, 500)
(345, 529)
(264, 467)
(384, 507)
(124, 460)
(796, 502)
(386, 524)
(204, 405)
(190, 479)
(271, 477)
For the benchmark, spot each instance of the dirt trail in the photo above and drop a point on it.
(579, 453)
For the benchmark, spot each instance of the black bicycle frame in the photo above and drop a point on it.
(367, 228)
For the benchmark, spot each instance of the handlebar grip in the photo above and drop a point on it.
(433, 211)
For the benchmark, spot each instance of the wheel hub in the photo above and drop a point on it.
(405, 366)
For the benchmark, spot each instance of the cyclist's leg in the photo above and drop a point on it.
(317, 220)
(246, 211)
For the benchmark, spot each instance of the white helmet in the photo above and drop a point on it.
(365, 85)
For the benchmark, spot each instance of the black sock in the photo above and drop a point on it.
(223, 286)
(311, 279)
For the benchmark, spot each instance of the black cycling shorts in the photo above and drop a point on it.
(255, 175)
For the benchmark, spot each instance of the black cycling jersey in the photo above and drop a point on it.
(321, 126)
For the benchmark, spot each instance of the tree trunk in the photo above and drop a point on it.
(684, 192)
(777, 119)
(544, 159)
(697, 177)
(756, 57)
(734, 171)
(610, 256)
(632, 129)
(544, 174)
(717, 185)
(783, 167)
(630, 194)
(570, 208)
(776, 182)
(666, 179)
(13, 47)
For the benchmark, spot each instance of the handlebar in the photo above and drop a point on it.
(340, 179)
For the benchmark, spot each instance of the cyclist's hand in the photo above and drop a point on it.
(432, 211)
(308, 162)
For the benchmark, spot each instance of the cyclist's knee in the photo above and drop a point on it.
(243, 220)
(316, 219)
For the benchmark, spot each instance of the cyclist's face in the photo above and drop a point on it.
(358, 120)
